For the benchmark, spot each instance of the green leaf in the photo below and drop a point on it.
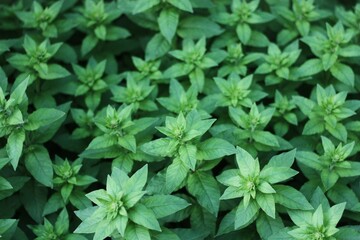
(266, 203)
(206, 190)
(246, 163)
(135, 232)
(309, 68)
(196, 27)
(128, 142)
(157, 47)
(164, 205)
(6, 225)
(243, 31)
(265, 187)
(165, 235)
(54, 71)
(168, 22)
(313, 126)
(290, 198)
(303, 26)
(258, 39)
(19, 92)
(309, 159)
(339, 131)
(184, 5)
(66, 191)
(34, 208)
(79, 200)
(175, 174)
(245, 215)
(318, 198)
(282, 160)
(16, 118)
(267, 226)
(232, 192)
(197, 78)
(305, 105)
(177, 70)
(343, 73)
(335, 213)
(143, 216)
(88, 44)
(328, 178)
(101, 142)
(187, 154)
(230, 177)
(45, 133)
(160, 147)
(318, 217)
(300, 218)
(282, 174)
(350, 51)
(43, 117)
(351, 171)
(14, 147)
(54, 203)
(342, 193)
(100, 32)
(265, 138)
(17, 183)
(328, 60)
(227, 223)
(4, 184)
(347, 233)
(135, 183)
(62, 222)
(144, 6)
(38, 163)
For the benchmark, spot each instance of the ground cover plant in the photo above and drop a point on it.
(179, 119)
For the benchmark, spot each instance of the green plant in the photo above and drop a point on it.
(124, 209)
(332, 164)
(257, 187)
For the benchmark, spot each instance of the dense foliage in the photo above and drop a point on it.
(179, 119)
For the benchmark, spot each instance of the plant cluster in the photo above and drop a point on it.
(179, 119)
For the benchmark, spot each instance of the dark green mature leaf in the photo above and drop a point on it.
(309, 68)
(6, 225)
(43, 117)
(135, 232)
(291, 198)
(34, 208)
(14, 147)
(157, 47)
(4, 184)
(47, 132)
(175, 174)
(145, 217)
(38, 163)
(245, 215)
(343, 73)
(266, 226)
(187, 154)
(205, 188)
